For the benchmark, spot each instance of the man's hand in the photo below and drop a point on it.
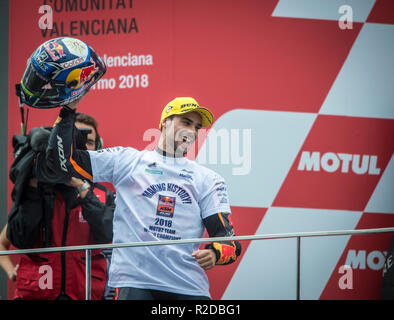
(73, 105)
(206, 258)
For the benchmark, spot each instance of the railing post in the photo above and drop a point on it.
(298, 293)
(87, 274)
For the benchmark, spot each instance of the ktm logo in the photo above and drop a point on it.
(332, 162)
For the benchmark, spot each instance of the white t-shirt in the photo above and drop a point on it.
(158, 197)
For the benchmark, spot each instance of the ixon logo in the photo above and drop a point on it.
(360, 259)
(332, 162)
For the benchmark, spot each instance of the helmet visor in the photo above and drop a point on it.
(36, 90)
(31, 82)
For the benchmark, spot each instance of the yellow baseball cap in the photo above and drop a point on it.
(183, 105)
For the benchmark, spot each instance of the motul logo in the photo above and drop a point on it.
(359, 259)
(332, 162)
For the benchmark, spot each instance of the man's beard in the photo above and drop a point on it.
(180, 144)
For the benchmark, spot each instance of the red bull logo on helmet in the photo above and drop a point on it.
(81, 75)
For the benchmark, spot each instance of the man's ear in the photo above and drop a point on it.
(162, 126)
(165, 121)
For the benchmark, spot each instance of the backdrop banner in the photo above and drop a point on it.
(302, 97)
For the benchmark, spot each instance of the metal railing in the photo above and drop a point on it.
(297, 235)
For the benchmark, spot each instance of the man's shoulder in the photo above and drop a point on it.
(118, 149)
(121, 153)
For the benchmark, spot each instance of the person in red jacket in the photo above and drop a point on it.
(55, 215)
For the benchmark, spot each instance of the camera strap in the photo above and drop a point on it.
(48, 198)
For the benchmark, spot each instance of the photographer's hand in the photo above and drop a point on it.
(33, 182)
(78, 183)
(12, 275)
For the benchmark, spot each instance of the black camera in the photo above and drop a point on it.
(32, 149)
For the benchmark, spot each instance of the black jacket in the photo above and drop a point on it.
(32, 217)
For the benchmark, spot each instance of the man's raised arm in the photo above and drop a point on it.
(62, 157)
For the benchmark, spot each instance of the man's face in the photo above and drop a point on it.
(181, 131)
(91, 141)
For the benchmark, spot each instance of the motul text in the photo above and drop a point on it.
(332, 162)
